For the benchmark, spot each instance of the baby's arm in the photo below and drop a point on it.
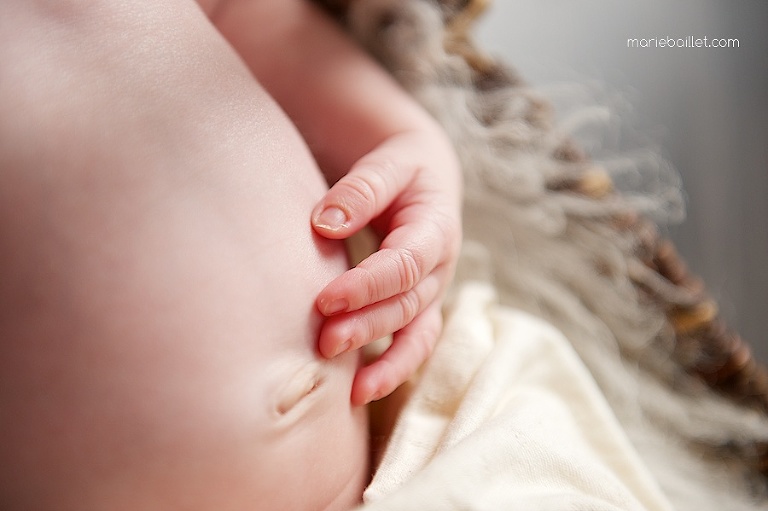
(393, 166)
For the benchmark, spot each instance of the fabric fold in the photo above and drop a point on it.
(506, 416)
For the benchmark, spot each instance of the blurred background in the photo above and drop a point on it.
(706, 109)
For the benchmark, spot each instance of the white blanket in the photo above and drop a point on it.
(505, 416)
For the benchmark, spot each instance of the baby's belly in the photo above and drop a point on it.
(173, 315)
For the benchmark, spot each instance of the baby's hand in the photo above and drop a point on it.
(408, 188)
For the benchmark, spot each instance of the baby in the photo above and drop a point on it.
(178, 325)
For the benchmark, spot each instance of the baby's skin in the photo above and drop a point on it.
(167, 272)
(393, 168)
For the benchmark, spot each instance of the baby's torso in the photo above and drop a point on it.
(158, 327)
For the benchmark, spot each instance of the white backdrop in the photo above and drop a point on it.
(706, 108)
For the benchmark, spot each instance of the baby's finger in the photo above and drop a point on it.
(393, 270)
(365, 192)
(410, 347)
(359, 328)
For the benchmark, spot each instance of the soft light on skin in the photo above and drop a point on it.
(158, 299)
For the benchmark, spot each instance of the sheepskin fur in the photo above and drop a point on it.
(543, 224)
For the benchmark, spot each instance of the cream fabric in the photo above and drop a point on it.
(506, 416)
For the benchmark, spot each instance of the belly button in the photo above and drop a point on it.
(301, 385)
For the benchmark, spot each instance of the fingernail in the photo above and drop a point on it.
(336, 306)
(332, 218)
(342, 348)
